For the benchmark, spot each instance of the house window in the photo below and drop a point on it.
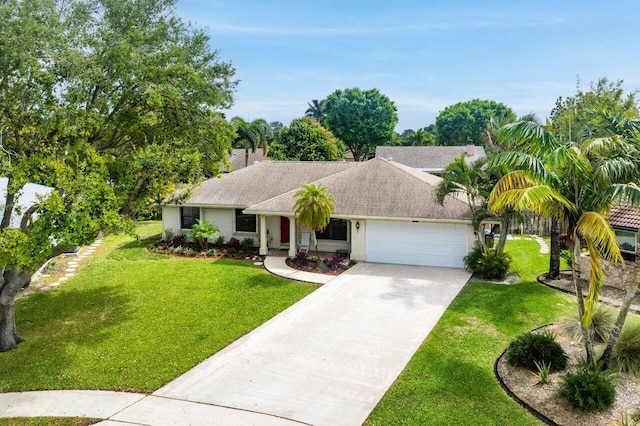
(245, 222)
(189, 216)
(335, 230)
(627, 241)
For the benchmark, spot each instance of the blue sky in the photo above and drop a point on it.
(424, 55)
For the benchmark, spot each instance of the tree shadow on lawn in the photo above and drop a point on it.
(510, 307)
(136, 250)
(56, 326)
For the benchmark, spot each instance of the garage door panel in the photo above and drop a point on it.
(416, 243)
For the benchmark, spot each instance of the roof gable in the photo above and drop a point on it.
(379, 188)
(260, 182)
(429, 158)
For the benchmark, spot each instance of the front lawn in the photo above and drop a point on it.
(450, 379)
(132, 320)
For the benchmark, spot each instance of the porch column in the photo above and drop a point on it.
(263, 236)
(293, 239)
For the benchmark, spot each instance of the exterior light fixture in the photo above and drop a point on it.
(358, 226)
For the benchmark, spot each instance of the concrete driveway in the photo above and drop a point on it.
(327, 360)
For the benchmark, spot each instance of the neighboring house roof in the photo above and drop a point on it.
(237, 159)
(259, 182)
(429, 158)
(27, 197)
(378, 188)
(625, 218)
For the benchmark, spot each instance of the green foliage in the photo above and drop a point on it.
(530, 349)
(490, 264)
(626, 353)
(202, 231)
(465, 122)
(543, 370)
(567, 256)
(219, 242)
(587, 389)
(361, 119)
(601, 324)
(306, 140)
(252, 135)
(247, 244)
(425, 136)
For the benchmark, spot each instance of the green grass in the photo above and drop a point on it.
(131, 320)
(450, 380)
(47, 421)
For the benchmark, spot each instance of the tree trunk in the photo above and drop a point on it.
(632, 288)
(11, 282)
(575, 273)
(504, 231)
(9, 204)
(554, 257)
(246, 154)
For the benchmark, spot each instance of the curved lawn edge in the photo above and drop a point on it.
(513, 396)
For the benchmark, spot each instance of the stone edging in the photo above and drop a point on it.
(513, 396)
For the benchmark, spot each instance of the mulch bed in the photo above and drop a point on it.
(541, 398)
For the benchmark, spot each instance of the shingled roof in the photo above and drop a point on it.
(624, 218)
(378, 188)
(429, 158)
(262, 181)
(237, 159)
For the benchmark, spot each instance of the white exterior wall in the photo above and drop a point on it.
(170, 220)
(222, 218)
(358, 240)
(471, 238)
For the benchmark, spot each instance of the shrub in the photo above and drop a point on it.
(168, 234)
(219, 242)
(247, 244)
(488, 265)
(212, 252)
(301, 260)
(202, 231)
(189, 252)
(531, 348)
(626, 353)
(334, 262)
(234, 243)
(588, 390)
(178, 239)
(601, 324)
(567, 256)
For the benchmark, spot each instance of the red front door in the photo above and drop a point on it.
(284, 230)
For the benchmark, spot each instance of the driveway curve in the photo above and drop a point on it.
(326, 360)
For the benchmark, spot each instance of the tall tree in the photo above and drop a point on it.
(313, 208)
(575, 184)
(361, 119)
(306, 140)
(109, 102)
(465, 122)
(315, 110)
(420, 137)
(252, 135)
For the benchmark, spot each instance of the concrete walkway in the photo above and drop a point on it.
(277, 265)
(326, 360)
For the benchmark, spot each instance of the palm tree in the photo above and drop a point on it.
(315, 110)
(254, 134)
(574, 184)
(313, 208)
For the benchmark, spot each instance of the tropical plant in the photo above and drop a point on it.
(601, 322)
(530, 349)
(626, 354)
(491, 264)
(574, 184)
(588, 389)
(201, 231)
(252, 135)
(313, 208)
(315, 110)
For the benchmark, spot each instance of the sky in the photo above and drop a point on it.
(423, 55)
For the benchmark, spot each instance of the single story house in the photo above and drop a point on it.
(625, 221)
(430, 159)
(384, 211)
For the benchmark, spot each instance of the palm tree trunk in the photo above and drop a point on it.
(504, 230)
(246, 154)
(554, 257)
(575, 273)
(632, 288)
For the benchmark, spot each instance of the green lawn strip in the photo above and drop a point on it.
(48, 421)
(130, 320)
(450, 379)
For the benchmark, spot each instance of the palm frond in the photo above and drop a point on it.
(627, 193)
(594, 227)
(596, 278)
(528, 136)
(520, 161)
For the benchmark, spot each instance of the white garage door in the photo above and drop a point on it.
(409, 243)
